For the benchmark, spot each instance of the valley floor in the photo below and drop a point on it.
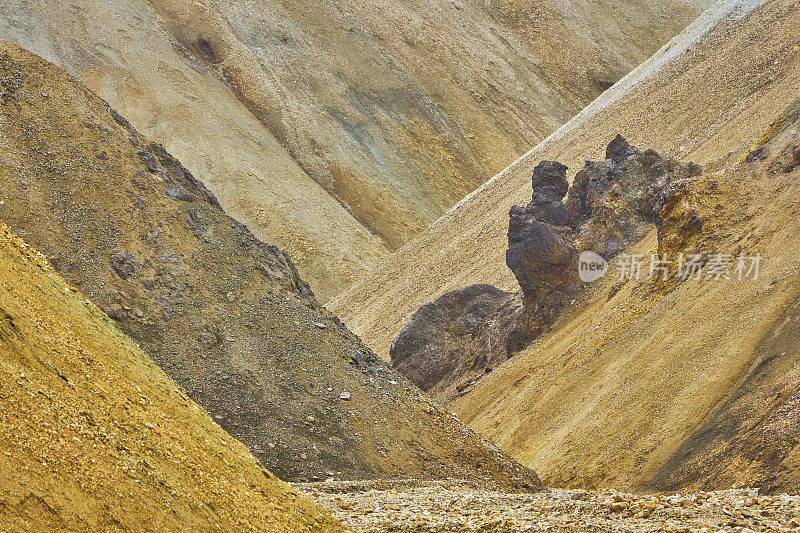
(440, 507)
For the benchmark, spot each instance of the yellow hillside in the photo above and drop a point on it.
(94, 437)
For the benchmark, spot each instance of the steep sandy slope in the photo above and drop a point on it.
(95, 437)
(339, 132)
(710, 91)
(640, 385)
(223, 313)
(651, 385)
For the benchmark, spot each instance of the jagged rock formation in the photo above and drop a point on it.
(541, 252)
(454, 341)
(225, 315)
(371, 117)
(94, 436)
(611, 204)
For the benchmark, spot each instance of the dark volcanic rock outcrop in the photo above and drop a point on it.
(610, 205)
(541, 252)
(224, 314)
(452, 342)
(614, 203)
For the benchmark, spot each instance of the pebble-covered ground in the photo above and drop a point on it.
(445, 507)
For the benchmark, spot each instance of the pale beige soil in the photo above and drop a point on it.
(339, 132)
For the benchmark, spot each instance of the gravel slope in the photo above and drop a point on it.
(223, 313)
(95, 437)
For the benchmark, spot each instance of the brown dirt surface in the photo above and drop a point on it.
(339, 132)
(95, 437)
(224, 314)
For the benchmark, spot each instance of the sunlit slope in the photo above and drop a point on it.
(710, 91)
(94, 436)
(341, 131)
(664, 385)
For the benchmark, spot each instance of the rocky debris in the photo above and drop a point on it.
(679, 219)
(449, 506)
(225, 315)
(610, 205)
(10, 82)
(123, 264)
(448, 343)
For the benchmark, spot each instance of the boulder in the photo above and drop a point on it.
(456, 339)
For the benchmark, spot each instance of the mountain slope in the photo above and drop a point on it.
(225, 315)
(94, 436)
(640, 386)
(667, 386)
(712, 90)
(340, 132)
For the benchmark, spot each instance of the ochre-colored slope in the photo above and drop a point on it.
(664, 386)
(647, 388)
(95, 437)
(341, 131)
(737, 75)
